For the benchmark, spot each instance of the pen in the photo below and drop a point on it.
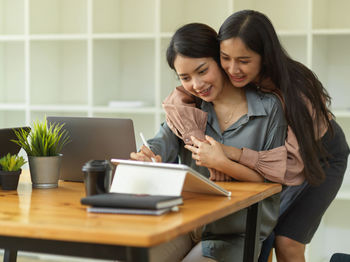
(146, 144)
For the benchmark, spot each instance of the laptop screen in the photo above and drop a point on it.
(6, 145)
(93, 138)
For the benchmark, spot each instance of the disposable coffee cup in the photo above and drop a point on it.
(97, 176)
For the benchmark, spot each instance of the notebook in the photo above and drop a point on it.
(6, 145)
(131, 211)
(93, 138)
(136, 201)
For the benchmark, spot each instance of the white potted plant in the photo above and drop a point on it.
(10, 170)
(43, 144)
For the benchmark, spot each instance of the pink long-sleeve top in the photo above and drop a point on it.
(282, 164)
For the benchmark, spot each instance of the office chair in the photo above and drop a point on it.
(340, 257)
(266, 249)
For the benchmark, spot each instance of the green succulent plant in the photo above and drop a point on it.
(43, 139)
(12, 162)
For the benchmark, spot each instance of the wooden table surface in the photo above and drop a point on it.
(56, 214)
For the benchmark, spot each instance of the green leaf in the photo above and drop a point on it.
(43, 139)
(12, 162)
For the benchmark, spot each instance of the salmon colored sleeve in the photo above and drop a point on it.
(295, 165)
(270, 163)
(182, 116)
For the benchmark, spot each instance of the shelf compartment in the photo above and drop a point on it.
(342, 113)
(12, 17)
(58, 16)
(176, 13)
(169, 79)
(127, 36)
(142, 123)
(59, 108)
(41, 114)
(12, 72)
(123, 70)
(331, 31)
(13, 107)
(279, 12)
(58, 37)
(9, 119)
(58, 72)
(331, 64)
(331, 14)
(110, 16)
(292, 33)
(296, 47)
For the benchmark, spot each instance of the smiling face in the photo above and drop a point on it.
(241, 64)
(201, 77)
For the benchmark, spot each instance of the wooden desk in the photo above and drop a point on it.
(53, 221)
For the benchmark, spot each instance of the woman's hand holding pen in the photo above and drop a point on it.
(145, 154)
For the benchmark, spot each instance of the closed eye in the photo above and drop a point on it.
(226, 58)
(184, 78)
(203, 71)
(244, 61)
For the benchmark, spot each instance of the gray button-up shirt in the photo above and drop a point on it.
(262, 128)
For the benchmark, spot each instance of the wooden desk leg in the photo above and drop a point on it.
(252, 233)
(137, 254)
(10, 255)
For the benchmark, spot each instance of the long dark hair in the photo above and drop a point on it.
(294, 80)
(194, 40)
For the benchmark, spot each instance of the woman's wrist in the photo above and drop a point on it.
(233, 153)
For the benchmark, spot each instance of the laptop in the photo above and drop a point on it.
(6, 145)
(93, 138)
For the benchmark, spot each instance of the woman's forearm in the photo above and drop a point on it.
(238, 171)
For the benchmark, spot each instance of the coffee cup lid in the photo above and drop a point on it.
(97, 165)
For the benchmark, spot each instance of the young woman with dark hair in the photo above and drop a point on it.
(232, 116)
(320, 143)
(299, 87)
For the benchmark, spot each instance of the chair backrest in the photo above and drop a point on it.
(340, 257)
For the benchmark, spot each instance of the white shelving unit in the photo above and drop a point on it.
(73, 57)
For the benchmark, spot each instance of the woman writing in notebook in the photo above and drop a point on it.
(317, 141)
(233, 116)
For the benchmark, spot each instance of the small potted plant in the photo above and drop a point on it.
(10, 170)
(43, 144)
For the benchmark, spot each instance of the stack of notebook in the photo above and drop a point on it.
(120, 203)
